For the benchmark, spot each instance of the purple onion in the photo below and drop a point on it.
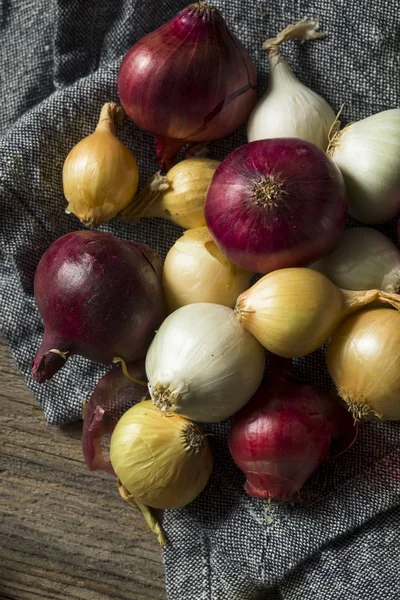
(276, 203)
(99, 297)
(190, 80)
(285, 432)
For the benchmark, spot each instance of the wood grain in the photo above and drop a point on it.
(64, 531)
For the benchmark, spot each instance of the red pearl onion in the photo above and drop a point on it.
(190, 80)
(276, 203)
(285, 432)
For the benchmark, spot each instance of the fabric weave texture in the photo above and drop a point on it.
(59, 61)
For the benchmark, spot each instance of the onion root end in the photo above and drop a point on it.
(163, 398)
(358, 406)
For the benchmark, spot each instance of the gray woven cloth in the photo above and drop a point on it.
(58, 65)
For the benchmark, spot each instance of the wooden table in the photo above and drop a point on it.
(64, 531)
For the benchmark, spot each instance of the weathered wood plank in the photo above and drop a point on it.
(64, 531)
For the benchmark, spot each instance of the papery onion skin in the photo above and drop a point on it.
(163, 461)
(280, 437)
(99, 297)
(178, 196)
(111, 394)
(203, 364)
(363, 359)
(276, 203)
(363, 259)
(190, 80)
(195, 270)
(368, 155)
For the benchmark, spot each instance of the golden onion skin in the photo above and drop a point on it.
(291, 312)
(183, 200)
(363, 359)
(164, 461)
(195, 270)
(100, 174)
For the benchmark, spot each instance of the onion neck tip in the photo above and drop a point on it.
(146, 511)
(302, 30)
(46, 365)
(110, 113)
(203, 6)
(258, 490)
(163, 398)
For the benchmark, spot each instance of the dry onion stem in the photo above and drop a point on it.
(146, 511)
(302, 30)
(141, 207)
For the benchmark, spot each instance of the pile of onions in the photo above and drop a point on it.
(284, 433)
(368, 155)
(276, 203)
(99, 297)
(203, 364)
(292, 312)
(112, 393)
(363, 259)
(363, 359)
(273, 206)
(195, 270)
(191, 80)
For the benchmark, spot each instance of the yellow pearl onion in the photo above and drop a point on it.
(195, 270)
(292, 312)
(100, 174)
(163, 461)
(183, 201)
(363, 359)
(178, 196)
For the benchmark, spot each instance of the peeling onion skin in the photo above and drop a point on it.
(296, 219)
(363, 358)
(111, 394)
(190, 80)
(99, 297)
